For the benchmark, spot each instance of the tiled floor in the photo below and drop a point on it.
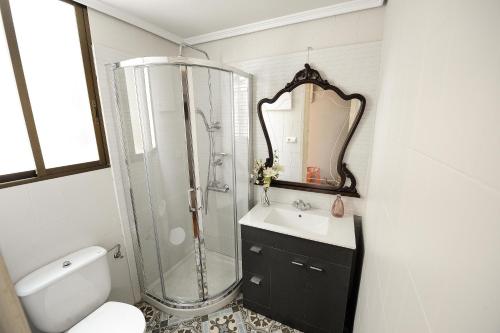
(232, 318)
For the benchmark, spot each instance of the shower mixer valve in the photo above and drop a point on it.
(220, 154)
(214, 126)
(218, 187)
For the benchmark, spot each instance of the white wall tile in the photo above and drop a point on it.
(354, 68)
(432, 211)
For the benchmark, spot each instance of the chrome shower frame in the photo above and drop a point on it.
(171, 305)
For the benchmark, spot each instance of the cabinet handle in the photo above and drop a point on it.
(255, 280)
(318, 269)
(296, 263)
(256, 249)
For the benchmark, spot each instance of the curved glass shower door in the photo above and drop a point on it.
(177, 127)
(213, 143)
(166, 137)
(155, 139)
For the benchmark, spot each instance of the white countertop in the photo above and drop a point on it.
(329, 229)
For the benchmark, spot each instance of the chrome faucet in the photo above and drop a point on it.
(301, 205)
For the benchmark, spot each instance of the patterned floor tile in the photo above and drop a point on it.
(233, 318)
(151, 314)
(226, 320)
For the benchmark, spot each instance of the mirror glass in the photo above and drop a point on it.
(308, 128)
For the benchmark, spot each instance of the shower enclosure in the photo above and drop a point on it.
(185, 129)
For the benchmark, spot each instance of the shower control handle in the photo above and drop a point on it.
(190, 198)
(202, 198)
(190, 192)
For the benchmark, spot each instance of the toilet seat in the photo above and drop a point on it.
(112, 317)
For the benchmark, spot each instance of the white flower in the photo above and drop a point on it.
(270, 172)
(264, 175)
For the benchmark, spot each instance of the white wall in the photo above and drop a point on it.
(432, 223)
(282, 52)
(43, 221)
(358, 27)
(127, 38)
(113, 41)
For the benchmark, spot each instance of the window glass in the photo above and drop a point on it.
(49, 44)
(15, 148)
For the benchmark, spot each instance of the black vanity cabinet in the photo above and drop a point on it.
(305, 284)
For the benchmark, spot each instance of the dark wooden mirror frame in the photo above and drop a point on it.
(310, 75)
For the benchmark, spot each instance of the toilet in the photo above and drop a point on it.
(69, 295)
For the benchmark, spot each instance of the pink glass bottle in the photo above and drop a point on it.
(338, 207)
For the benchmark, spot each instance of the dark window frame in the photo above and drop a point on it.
(41, 172)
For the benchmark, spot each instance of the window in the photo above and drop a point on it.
(49, 113)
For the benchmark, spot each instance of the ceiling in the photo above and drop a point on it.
(188, 18)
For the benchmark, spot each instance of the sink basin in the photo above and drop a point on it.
(298, 220)
(314, 224)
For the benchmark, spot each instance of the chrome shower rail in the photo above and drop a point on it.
(155, 61)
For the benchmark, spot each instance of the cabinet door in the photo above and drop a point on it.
(256, 288)
(326, 292)
(288, 279)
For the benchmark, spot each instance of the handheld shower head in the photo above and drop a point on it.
(198, 111)
(212, 127)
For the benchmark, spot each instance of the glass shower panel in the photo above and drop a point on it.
(211, 97)
(242, 144)
(242, 91)
(130, 128)
(163, 130)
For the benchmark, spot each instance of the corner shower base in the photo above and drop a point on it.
(181, 282)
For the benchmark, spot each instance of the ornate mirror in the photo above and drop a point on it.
(309, 124)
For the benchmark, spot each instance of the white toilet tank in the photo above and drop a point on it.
(60, 294)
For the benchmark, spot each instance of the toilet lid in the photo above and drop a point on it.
(112, 317)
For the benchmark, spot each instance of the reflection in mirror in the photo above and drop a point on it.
(308, 128)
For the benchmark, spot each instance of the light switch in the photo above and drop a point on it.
(291, 139)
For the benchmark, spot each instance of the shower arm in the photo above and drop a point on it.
(183, 45)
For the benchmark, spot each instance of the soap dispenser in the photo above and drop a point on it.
(338, 207)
